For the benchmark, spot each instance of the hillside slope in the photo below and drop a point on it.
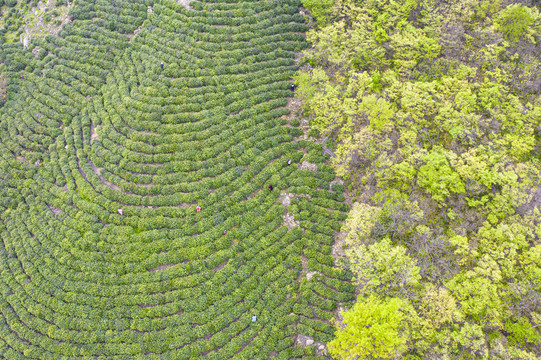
(136, 215)
(434, 107)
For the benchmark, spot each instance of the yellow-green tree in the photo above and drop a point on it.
(373, 328)
(515, 21)
(320, 8)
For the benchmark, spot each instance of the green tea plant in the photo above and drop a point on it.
(136, 216)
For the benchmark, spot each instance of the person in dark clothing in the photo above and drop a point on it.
(162, 65)
(270, 187)
(292, 87)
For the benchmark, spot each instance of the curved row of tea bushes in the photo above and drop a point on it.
(136, 216)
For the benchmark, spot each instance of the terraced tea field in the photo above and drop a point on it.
(151, 213)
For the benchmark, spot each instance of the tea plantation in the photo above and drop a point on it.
(143, 208)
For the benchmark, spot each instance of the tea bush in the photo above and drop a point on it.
(105, 158)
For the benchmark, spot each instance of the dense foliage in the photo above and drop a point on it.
(435, 111)
(135, 212)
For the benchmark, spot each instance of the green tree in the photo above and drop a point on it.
(522, 332)
(384, 268)
(514, 21)
(360, 223)
(480, 293)
(320, 9)
(373, 328)
(437, 177)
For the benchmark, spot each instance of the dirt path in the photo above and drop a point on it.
(185, 3)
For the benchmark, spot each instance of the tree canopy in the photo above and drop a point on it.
(434, 111)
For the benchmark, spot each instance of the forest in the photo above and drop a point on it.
(270, 179)
(434, 109)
